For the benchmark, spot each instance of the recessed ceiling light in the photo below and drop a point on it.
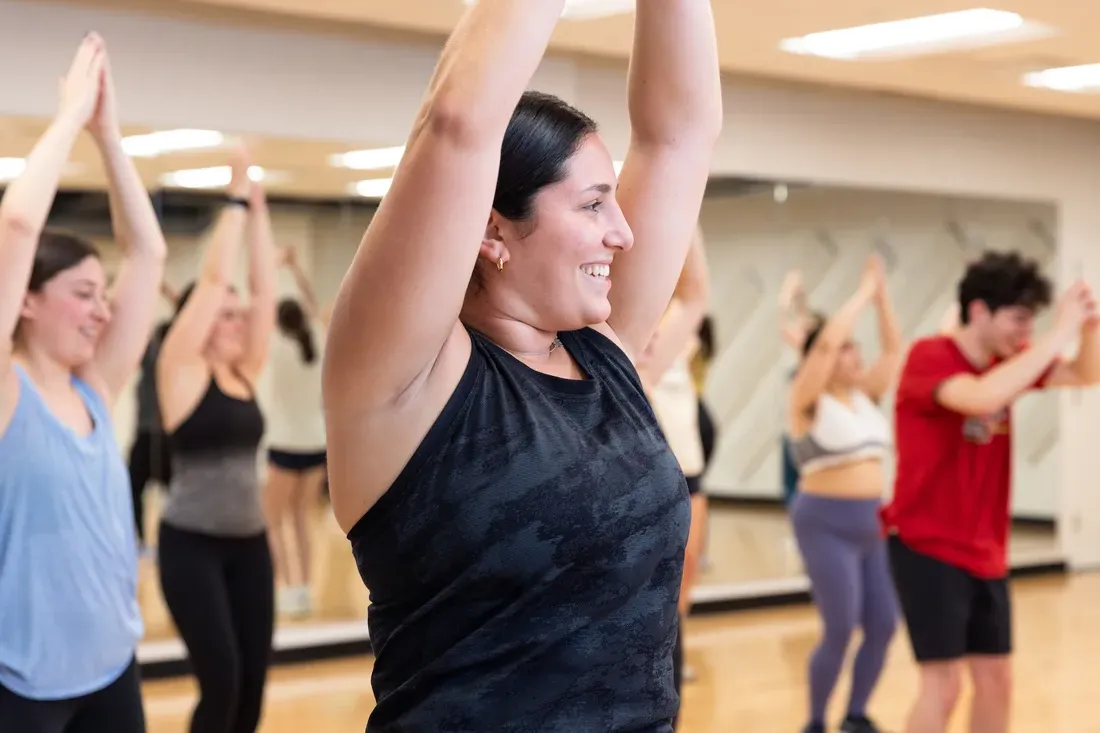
(170, 141)
(369, 160)
(915, 36)
(590, 9)
(372, 188)
(1082, 78)
(215, 177)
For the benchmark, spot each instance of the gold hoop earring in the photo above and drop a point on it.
(500, 264)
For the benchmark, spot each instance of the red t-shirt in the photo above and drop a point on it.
(954, 473)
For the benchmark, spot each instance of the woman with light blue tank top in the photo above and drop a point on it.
(214, 560)
(70, 624)
(839, 440)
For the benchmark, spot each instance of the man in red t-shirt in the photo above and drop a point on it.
(948, 521)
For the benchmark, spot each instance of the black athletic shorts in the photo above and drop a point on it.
(950, 613)
(295, 460)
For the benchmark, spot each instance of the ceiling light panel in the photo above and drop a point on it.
(929, 34)
(215, 177)
(1084, 78)
(170, 141)
(369, 160)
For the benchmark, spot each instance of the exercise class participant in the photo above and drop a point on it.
(295, 437)
(665, 369)
(950, 514)
(839, 441)
(69, 618)
(215, 564)
(511, 503)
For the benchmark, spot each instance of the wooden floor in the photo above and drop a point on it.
(745, 546)
(751, 674)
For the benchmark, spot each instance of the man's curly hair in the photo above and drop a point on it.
(1002, 280)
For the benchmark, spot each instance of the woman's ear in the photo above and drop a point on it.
(493, 248)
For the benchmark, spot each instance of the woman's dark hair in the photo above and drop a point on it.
(706, 338)
(817, 323)
(543, 134)
(58, 251)
(293, 323)
(1002, 280)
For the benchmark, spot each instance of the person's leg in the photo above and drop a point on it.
(832, 562)
(878, 619)
(303, 507)
(990, 647)
(196, 591)
(276, 500)
(114, 709)
(141, 469)
(252, 605)
(18, 713)
(936, 600)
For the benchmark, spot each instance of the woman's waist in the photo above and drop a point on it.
(853, 477)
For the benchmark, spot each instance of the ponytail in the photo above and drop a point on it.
(305, 343)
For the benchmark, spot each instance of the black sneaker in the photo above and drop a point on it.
(814, 728)
(861, 724)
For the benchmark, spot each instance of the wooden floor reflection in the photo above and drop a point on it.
(751, 674)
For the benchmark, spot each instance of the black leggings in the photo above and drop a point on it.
(114, 709)
(221, 594)
(150, 460)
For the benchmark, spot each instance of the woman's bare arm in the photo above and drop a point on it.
(681, 321)
(401, 299)
(262, 276)
(675, 98)
(881, 374)
(137, 233)
(27, 201)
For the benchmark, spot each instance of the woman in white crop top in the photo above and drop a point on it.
(296, 437)
(839, 439)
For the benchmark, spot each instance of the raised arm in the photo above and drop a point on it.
(969, 394)
(681, 321)
(675, 99)
(138, 235)
(28, 199)
(881, 374)
(817, 366)
(305, 288)
(401, 299)
(794, 314)
(262, 275)
(181, 356)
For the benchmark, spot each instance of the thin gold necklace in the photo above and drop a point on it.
(553, 346)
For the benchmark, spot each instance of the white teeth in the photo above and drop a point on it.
(597, 270)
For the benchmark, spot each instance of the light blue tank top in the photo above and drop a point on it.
(69, 618)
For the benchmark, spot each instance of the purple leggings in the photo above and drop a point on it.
(846, 559)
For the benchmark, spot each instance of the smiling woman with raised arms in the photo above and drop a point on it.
(69, 620)
(511, 503)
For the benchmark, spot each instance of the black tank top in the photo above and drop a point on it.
(524, 568)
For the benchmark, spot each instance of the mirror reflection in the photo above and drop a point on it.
(772, 258)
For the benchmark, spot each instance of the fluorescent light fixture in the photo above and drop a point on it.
(590, 9)
(369, 160)
(215, 177)
(170, 141)
(1066, 78)
(11, 168)
(927, 34)
(372, 188)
